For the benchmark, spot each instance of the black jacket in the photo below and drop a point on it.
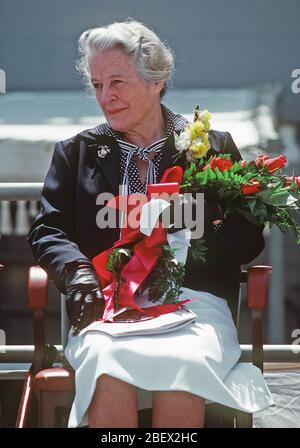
(66, 229)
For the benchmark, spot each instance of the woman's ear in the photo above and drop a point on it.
(159, 86)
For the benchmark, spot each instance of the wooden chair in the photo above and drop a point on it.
(51, 389)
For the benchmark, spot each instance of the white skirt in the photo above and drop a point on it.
(201, 358)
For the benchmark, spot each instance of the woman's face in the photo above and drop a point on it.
(123, 96)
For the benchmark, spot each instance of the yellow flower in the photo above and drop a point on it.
(200, 147)
(204, 117)
(196, 130)
(194, 138)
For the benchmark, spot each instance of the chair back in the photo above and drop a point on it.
(243, 281)
(65, 325)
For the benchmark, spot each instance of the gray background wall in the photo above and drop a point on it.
(217, 43)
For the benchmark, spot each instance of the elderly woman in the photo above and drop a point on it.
(129, 66)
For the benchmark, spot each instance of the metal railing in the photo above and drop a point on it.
(17, 191)
(19, 203)
(272, 353)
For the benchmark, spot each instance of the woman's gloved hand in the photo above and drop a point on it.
(85, 302)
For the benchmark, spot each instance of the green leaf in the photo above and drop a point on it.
(211, 175)
(260, 211)
(251, 168)
(251, 203)
(282, 198)
(198, 249)
(218, 174)
(166, 278)
(265, 194)
(226, 175)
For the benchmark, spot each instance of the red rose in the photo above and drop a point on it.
(252, 187)
(221, 164)
(243, 163)
(289, 179)
(271, 164)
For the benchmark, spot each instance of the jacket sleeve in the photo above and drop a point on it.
(51, 236)
(239, 239)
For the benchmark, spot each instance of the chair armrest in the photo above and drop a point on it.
(37, 288)
(257, 287)
(257, 295)
(37, 300)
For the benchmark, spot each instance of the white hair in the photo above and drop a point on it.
(153, 59)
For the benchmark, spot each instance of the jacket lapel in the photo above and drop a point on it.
(109, 165)
(169, 155)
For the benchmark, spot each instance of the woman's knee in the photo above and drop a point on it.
(114, 403)
(112, 385)
(177, 409)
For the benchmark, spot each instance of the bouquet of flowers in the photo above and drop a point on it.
(257, 189)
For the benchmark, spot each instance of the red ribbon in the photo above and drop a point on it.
(146, 252)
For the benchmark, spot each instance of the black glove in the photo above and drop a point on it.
(85, 302)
